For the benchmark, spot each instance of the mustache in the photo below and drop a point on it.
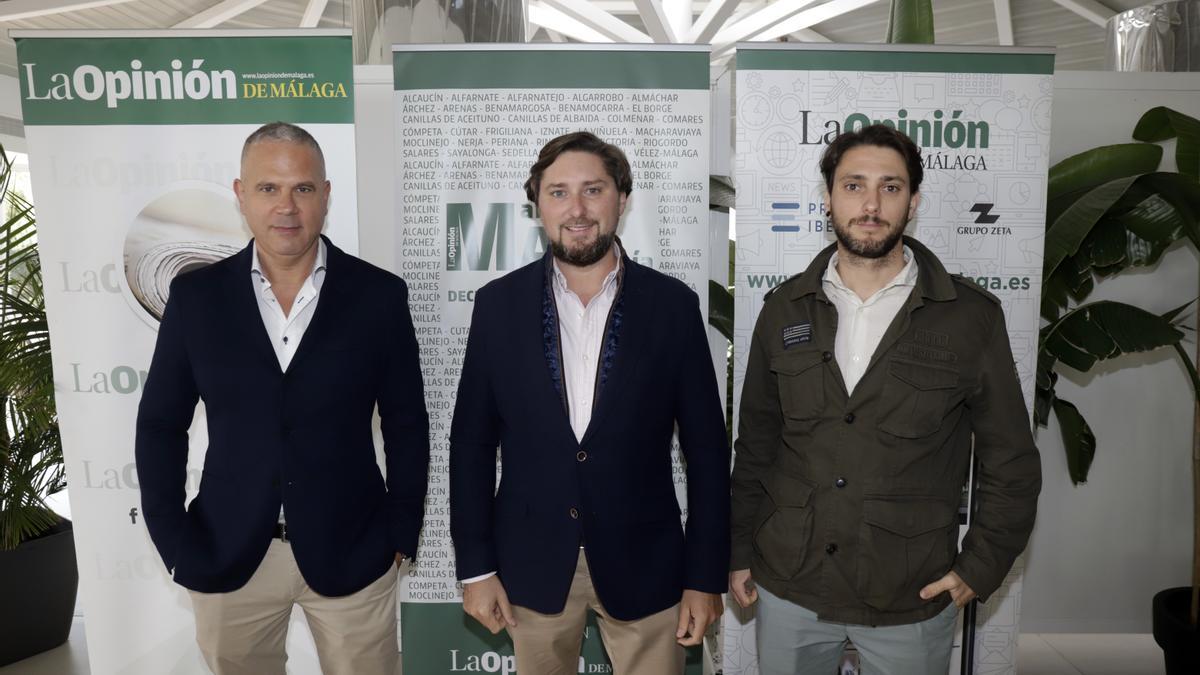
(578, 221)
(866, 219)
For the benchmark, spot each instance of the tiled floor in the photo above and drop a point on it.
(1044, 654)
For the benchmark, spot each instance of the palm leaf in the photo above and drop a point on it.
(31, 462)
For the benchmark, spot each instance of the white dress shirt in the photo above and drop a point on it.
(862, 323)
(286, 330)
(580, 337)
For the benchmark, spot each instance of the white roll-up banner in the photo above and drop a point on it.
(982, 119)
(135, 138)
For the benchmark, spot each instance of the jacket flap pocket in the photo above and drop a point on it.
(788, 491)
(794, 363)
(908, 517)
(923, 375)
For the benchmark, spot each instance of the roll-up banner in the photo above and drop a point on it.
(982, 119)
(470, 120)
(135, 138)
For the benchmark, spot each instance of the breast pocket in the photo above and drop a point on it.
(801, 379)
(916, 398)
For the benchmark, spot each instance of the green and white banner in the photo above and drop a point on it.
(982, 119)
(135, 138)
(470, 120)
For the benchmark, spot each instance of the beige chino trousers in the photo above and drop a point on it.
(244, 632)
(548, 644)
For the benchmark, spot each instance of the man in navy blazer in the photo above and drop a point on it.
(578, 367)
(291, 344)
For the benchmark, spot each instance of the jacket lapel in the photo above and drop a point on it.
(332, 304)
(633, 308)
(244, 313)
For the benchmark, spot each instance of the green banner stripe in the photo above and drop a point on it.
(193, 80)
(520, 69)
(439, 639)
(891, 62)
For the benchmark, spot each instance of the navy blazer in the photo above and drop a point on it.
(300, 438)
(613, 491)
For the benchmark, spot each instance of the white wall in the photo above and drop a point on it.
(1101, 550)
(374, 134)
(10, 106)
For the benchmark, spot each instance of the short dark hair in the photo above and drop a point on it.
(615, 163)
(285, 132)
(875, 134)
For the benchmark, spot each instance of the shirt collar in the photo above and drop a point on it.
(906, 277)
(610, 281)
(313, 277)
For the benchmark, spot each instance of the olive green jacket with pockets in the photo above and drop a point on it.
(848, 505)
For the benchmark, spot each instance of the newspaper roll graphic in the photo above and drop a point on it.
(188, 227)
(151, 278)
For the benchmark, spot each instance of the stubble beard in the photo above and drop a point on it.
(586, 255)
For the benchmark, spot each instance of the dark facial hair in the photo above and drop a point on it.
(589, 254)
(873, 249)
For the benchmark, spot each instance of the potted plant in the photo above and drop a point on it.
(1111, 209)
(38, 574)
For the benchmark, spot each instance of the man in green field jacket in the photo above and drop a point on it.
(869, 376)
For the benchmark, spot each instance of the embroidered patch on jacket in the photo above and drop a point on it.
(797, 334)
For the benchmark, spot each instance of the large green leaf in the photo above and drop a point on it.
(1065, 234)
(1162, 123)
(1104, 330)
(720, 309)
(1043, 388)
(910, 22)
(1078, 174)
(1078, 440)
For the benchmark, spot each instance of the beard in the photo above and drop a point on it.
(872, 249)
(588, 253)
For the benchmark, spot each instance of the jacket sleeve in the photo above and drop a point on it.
(164, 415)
(1009, 474)
(704, 444)
(760, 421)
(405, 426)
(474, 436)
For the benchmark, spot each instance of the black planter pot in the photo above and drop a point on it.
(38, 581)
(1173, 631)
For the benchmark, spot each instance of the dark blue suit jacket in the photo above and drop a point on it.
(301, 438)
(614, 491)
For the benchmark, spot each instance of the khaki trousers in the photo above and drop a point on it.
(548, 644)
(244, 632)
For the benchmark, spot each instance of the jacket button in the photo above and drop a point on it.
(849, 418)
(826, 357)
(841, 482)
(831, 548)
(574, 513)
(581, 455)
